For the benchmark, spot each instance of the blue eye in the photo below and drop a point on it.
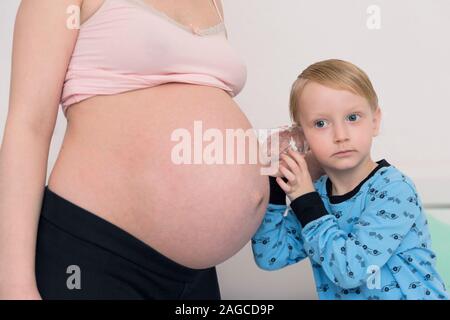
(352, 116)
(322, 123)
(319, 121)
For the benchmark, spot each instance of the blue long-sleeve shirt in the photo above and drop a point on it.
(370, 243)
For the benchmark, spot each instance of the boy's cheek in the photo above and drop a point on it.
(319, 146)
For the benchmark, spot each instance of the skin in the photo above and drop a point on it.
(333, 120)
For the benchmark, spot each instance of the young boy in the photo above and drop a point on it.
(362, 224)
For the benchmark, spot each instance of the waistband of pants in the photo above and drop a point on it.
(87, 226)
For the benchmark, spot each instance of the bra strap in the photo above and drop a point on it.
(217, 8)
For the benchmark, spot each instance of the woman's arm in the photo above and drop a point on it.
(42, 47)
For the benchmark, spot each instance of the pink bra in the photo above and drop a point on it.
(128, 44)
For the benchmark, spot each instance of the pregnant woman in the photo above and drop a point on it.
(118, 218)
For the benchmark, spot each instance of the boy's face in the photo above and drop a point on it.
(337, 120)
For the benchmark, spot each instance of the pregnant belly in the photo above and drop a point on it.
(125, 158)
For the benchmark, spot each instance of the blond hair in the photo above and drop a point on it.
(336, 74)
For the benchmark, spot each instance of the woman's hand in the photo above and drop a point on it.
(299, 179)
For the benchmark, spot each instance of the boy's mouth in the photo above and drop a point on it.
(343, 153)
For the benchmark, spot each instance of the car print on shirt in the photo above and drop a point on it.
(416, 230)
(352, 220)
(337, 214)
(390, 286)
(408, 215)
(373, 252)
(396, 236)
(387, 215)
(414, 285)
(263, 240)
(428, 277)
(425, 263)
(363, 223)
(413, 199)
(323, 288)
(396, 269)
(376, 235)
(395, 200)
(277, 244)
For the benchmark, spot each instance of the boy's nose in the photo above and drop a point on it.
(340, 133)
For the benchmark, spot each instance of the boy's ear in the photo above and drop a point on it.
(376, 121)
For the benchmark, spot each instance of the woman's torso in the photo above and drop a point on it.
(115, 161)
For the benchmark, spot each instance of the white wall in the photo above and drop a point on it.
(407, 61)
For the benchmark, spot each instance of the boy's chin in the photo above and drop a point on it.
(341, 164)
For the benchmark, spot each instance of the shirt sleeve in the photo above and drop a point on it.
(348, 258)
(277, 243)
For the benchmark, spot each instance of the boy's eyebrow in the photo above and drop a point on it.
(321, 114)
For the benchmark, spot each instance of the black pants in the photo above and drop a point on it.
(82, 256)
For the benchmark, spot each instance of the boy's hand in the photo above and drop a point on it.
(299, 179)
